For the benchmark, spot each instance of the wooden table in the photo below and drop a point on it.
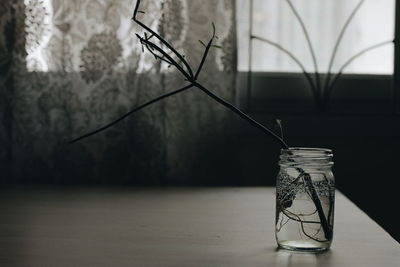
(171, 227)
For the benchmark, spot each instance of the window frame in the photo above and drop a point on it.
(380, 93)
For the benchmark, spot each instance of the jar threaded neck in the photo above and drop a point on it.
(306, 157)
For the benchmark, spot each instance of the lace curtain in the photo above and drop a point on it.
(68, 67)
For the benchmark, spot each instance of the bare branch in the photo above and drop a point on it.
(205, 53)
(156, 35)
(165, 55)
(241, 114)
(131, 112)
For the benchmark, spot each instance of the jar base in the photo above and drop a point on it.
(303, 245)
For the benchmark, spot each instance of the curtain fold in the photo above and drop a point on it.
(77, 65)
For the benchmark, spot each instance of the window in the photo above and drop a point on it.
(277, 81)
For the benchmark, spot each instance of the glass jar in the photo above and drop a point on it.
(305, 198)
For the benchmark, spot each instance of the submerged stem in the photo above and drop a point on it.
(317, 202)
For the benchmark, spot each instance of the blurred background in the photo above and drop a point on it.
(69, 67)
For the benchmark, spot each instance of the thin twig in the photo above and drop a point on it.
(162, 40)
(170, 59)
(302, 226)
(279, 122)
(151, 50)
(241, 114)
(203, 59)
(281, 224)
(307, 214)
(131, 112)
(285, 211)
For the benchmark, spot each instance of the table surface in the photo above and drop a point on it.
(172, 227)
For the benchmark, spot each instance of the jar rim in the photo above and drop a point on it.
(306, 149)
(306, 157)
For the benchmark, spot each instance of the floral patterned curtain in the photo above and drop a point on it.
(68, 67)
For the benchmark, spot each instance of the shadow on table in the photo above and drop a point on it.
(299, 259)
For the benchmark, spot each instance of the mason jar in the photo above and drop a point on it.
(305, 199)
